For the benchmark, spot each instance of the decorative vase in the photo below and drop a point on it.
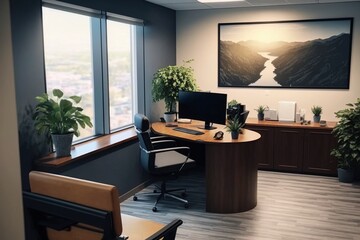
(170, 117)
(234, 135)
(62, 144)
(260, 116)
(345, 175)
(317, 118)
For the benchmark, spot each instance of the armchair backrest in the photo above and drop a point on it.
(92, 194)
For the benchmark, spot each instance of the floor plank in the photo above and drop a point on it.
(290, 206)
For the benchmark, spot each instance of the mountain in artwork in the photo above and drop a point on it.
(319, 63)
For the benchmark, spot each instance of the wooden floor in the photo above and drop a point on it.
(290, 206)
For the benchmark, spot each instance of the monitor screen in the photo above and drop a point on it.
(204, 106)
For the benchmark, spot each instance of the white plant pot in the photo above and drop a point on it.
(170, 117)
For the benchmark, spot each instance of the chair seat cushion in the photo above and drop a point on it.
(170, 158)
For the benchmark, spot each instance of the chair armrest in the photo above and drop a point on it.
(164, 144)
(159, 137)
(168, 232)
(170, 149)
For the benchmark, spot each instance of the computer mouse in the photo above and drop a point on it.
(219, 135)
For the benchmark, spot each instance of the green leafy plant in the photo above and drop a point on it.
(234, 125)
(347, 132)
(261, 109)
(168, 81)
(59, 115)
(316, 110)
(232, 103)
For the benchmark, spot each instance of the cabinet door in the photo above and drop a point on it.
(264, 148)
(288, 150)
(317, 147)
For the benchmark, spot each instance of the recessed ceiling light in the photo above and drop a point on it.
(215, 1)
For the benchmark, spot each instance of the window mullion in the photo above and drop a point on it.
(99, 69)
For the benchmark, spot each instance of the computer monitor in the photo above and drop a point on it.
(204, 106)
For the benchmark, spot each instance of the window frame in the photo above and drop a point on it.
(100, 64)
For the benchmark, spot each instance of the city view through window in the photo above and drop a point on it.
(70, 66)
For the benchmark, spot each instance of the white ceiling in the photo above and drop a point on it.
(195, 5)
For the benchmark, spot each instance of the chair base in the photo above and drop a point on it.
(163, 194)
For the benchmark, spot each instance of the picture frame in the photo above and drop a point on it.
(313, 54)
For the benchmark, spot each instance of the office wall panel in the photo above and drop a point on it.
(197, 38)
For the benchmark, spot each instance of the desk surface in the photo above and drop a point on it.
(208, 136)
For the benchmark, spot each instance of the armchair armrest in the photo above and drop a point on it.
(168, 232)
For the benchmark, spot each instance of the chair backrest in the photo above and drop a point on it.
(92, 194)
(142, 127)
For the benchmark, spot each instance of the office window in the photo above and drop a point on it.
(68, 58)
(89, 55)
(121, 77)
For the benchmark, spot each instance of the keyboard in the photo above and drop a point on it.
(187, 130)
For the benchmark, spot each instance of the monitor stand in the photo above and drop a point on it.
(208, 126)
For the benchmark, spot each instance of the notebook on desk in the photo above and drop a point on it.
(171, 124)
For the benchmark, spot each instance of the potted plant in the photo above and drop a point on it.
(234, 127)
(316, 110)
(60, 117)
(347, 132)
(233, 103)
(260, 110)
(167, 83)
(234, 109)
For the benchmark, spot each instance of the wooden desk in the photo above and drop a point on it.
(231, 168)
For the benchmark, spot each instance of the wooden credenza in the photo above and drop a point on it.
(292, 147)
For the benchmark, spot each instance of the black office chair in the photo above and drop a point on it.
(161, 158)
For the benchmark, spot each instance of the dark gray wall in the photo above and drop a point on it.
(121, 166)
(159, 50)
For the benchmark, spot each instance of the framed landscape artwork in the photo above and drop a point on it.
(286, 54)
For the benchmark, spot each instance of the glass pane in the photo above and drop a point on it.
(120, 73)
(68, 58)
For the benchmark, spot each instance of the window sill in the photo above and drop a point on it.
(85, 149)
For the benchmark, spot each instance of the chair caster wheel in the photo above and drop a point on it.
(135, 198)
(154, 209)
(186, 205)
(184, 194)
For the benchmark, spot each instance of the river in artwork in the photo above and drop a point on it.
(267, 75)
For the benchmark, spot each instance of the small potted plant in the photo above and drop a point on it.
(317, 110)
(233, 109)
(260, 110)
(60, 117)
(167, 83)
(347, 132)
(234, 127)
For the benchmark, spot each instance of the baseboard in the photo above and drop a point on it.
(136, 189)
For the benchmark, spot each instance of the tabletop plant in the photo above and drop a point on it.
(316, 110)
(347, 133)
(261, 110)
(168, 81)
(57, 115)
(232, 103)
(234, 127)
